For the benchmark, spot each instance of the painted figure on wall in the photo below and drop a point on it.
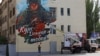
(31, 23)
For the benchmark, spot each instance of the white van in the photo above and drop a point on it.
(98, 41)
(93, 44)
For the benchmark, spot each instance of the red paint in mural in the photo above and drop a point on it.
(34, 6)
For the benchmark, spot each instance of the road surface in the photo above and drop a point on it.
(2, 55)
(97, 53)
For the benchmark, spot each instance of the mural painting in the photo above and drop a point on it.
(33, 17)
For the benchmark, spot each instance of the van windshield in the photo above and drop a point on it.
(93, 41)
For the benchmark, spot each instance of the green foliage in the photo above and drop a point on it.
(98, 27)
(92, 16)
(3, 40)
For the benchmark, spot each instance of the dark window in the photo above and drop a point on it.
(62, 27)
(5, 4)
(93, 41)
(5, 18)
(53, 11)
(2, 20)
(69, 28)
(62, 11)
(10, 0)
(10, 14)
(5, 32)
(13, 29)
(10, 30)
(0, 11)
(53, 30)
(14, 11)
(68, 11)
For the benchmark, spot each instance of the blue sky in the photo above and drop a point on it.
(44, 4)
(22, 5)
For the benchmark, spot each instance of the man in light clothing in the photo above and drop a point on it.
(67, 43)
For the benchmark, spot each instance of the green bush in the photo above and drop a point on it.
(3, 40)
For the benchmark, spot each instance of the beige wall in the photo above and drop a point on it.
(45, 46)
(77, 20)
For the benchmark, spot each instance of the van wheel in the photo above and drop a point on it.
(87, 49)
(93, 49)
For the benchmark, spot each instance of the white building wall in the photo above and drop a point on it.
(77, 18)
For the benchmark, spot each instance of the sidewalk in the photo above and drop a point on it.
(2, 55)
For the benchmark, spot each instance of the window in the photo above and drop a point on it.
(0, 11)
(62, 11)
(5, 18)
(69, 28)
(10, 14)
(14, 11)
(10, 30)
(13, 29)
(5, 32)
(62, 27)
(52, 30)
(5, 4)
(2, 20)
(10, 0)
(68, 11)
(53, 11)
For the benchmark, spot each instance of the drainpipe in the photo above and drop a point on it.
(7, 50)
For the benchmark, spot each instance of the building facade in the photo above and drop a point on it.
(8, 19)
(70, 17)
(4, 16)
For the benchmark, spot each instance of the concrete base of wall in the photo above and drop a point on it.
(12, 52)
(34, 53)
(3, 49)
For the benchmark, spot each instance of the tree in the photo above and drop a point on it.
(98, 27)
(92, 16)
(3, 40)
